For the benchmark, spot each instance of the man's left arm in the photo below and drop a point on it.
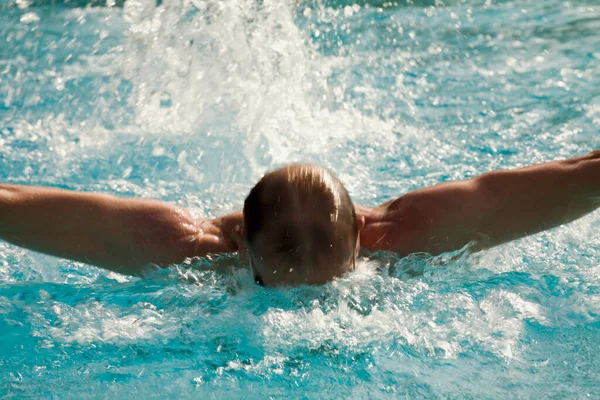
(487, 210)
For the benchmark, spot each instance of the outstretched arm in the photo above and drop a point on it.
(120, 234)
(487, 210)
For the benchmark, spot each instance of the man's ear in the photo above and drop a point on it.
(232, 229)
(360, 221)
(238, 236)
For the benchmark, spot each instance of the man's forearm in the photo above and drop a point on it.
(540, 197)
(117, 233)
(488, 210)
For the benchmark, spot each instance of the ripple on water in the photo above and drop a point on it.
(190, 102)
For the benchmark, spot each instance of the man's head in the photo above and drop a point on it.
(300, 227)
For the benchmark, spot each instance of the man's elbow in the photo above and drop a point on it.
(7, 194)
(584, 176)
(8, 199)
(162, 234)
(594, 155)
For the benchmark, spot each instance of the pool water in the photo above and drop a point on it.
(191, 101)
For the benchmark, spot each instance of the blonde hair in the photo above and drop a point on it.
(301, 215)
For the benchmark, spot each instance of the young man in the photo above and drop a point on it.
(299, 224)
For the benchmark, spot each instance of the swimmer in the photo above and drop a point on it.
(298, 224)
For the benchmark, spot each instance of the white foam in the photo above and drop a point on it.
(94, 321)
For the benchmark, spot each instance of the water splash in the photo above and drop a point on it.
(190, 101)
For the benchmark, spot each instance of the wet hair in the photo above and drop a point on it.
(301, 217)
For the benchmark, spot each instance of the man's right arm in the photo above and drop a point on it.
(121, 234)
(488, 210)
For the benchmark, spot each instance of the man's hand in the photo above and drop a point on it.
(487, 210)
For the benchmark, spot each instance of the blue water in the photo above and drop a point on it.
(191, 101)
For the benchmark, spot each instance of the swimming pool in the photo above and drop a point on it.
(192, 101)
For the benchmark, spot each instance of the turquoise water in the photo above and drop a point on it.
(191, 101)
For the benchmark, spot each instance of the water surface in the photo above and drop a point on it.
(192, 101)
